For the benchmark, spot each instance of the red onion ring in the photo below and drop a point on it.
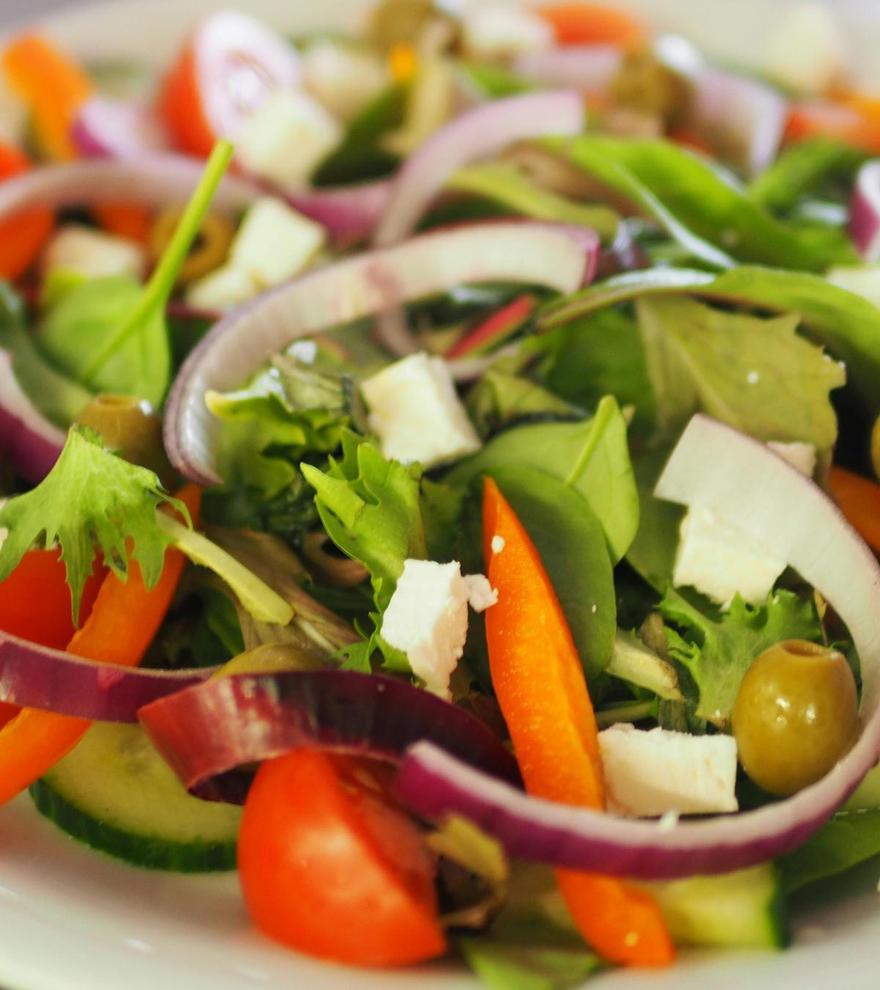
(350, 213)
(30, 442)
(35, 676)
(485, 130)
(107, 128)
(864, 212)
(359, 286)
(210, 729)
(753, 488)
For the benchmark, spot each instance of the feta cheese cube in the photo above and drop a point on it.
(224, 287)
(274, 242)
(92, 253)
(416, 413)
(651, 773)
(720, 560)
(427, 618)
(481, 594)
(342, 77)
(495, 31)
(287, 137)
(801, 456)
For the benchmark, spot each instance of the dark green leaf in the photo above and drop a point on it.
(500, 398)
(850, 838)
(507, 966)
(803, 168)
(653, 550)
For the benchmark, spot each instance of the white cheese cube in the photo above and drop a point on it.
(224, 287)
(342, 77)
(92, 253)
(720, 560)
(655, 772)
(274, 242)
(495, 31)
(416, 413)
(286, 138)
(427, 618)
(481, 594)
(806, 51)
(801, 456)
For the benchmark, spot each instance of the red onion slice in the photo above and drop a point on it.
(38, 677)
(485, 130)
(213, 728)
(588, 68)
(745, 483)
(29, 441)
(107, 128)
(744, 116)
(350, 289)
(864, 212)
(350, 213)
(155, 180)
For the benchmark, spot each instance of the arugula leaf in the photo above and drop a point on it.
(503, 965)
(501, 397)
(574, 552)
(591, 457)
(110, 333)
(801, 169)
(847, 324)
(509, 187)
(717, 649)
(850, 838)
(371, 509)
(58, 398)
(751, 372)
(705, 210)
(91, 500)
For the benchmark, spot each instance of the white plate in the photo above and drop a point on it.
(71, 919)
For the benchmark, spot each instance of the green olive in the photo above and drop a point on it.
(795, 716)
(401, 22)
(644, 83)
(129, 427)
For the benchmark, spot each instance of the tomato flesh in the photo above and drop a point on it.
(329, 866)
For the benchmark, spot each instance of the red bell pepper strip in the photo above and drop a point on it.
(859, 501)
(495, 328)
(22, 236)
(124, 619)
(542, 692)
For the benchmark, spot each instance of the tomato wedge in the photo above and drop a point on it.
(330, 866)
(21, 237)
(226, 70)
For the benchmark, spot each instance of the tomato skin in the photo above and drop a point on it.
(330, 867)
(180, 106)
(22, 236)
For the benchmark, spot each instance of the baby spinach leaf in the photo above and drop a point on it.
(652, 553)
(573, 550)
(591, 457)
(500, 398)
(850, 838)
(751, 372)
(707, 211)
(718, 648)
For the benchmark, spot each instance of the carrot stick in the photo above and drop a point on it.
(540, 687)
(125, 618)
(21, 237)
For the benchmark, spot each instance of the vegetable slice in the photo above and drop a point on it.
(27, 438)
(864, 219)
(350, 289)
(24, 234)
(108, 128)
(758, 491)
(228, 722)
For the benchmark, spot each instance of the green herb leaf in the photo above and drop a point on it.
(500, 398)
(705, 210)
(753, 373)
(90, 501)
(718, 648)
(503, 965)
(850, 838)
(591, 457)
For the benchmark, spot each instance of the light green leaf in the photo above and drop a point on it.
(718, 649)
(751, 372)
(90, 501)
(505, 965)
(591, 457)
(801, 168)
(500, 398)
(705, 210)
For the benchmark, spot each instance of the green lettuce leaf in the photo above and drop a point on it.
(506, 965)
(717, 649)
(850, 838)
(845, 323)
(754, 373)
(90, 501)
(705, 210)
(804, 168)
(590, 456)
(500, 398)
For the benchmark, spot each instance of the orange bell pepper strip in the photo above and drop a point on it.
(21, 237)
(593, 24)
(859, 501)
(52, 85)
(125, 618)
(542, 692)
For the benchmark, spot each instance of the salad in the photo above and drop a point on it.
(437, 471)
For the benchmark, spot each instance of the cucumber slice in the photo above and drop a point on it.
(744, 909)
(114, 792)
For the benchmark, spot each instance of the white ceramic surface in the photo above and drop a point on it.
(74, 920)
